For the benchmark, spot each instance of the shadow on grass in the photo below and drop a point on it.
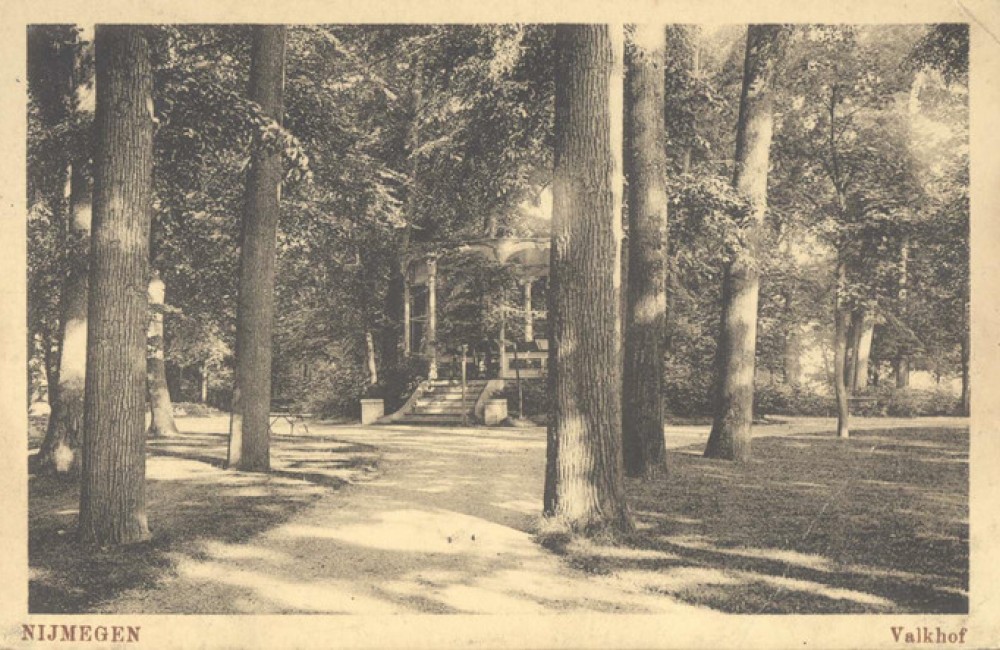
(189, 498)
(875, 523)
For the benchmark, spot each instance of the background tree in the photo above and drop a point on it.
(161, 410)
(584, 489)
(249, 446)
(730, 436)
(59, 74)
(112, 495)
(642, 427)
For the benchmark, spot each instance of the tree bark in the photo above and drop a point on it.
(584, 488)
(112, 495)
(645, 319)
(842, 319)
(249, 444)
(60, 449)
(730, 436)
(162, 421)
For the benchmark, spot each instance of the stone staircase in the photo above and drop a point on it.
(439, 403)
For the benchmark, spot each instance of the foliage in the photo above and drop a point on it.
(534, 393)
(785, 399)
(440, 134)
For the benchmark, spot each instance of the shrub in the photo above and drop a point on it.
(688, 396)
(910, 402)
(784, 399)
(536, 397)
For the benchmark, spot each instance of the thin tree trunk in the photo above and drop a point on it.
(584, 488)
(867, 325)
(901, 364)
(372, 367)
(162, 421)
(842, 317)
(112, 495)
(730, 436)
(901, 370)
(249, 444)
(792, 352)
(60, 449)
(645, 319)
(394, 337)
(851, 355)
(203, 383)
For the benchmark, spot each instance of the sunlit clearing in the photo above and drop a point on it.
(223, 551)
(422, 531)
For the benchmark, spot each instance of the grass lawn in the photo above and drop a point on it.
(877, 523)
(190, 499)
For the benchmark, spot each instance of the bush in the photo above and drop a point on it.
(909, 402)
(783, 399)
(535, 393)
(688, 396)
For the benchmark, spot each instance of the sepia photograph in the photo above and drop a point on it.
(546, 321)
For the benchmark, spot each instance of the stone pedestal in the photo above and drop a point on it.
(495, 412)
(371, 410)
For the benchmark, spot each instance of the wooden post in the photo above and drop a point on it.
(503, 348)
(432, 371)
(465, 414)
(529, 321)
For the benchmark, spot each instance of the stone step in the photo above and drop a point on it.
(452, 390)
(448, 409)
(457, 384)
(430, 398)
(432, 419)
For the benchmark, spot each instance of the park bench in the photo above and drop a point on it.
(284, 409)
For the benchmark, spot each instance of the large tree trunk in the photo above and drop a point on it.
(584, 488)
(60, 449)
(642, 427)
(112, 495)
(249, 443)
(162, 421)
(842, 319)
(730, 436)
